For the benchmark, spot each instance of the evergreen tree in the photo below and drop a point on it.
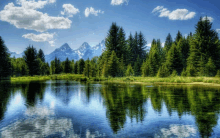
(131, 50)
(129, 71)
(205, 43)
(41, 55)
(52, 67)
(75, 68)
(30, 57)
(5, 62)
(174, 59)
(113, 65)
(111, 41)
(141, 46)
(168, 43)
(58, 66)
(178, 37)
(210, 68)
(81, 66)
(67, 66)
(87, 69)
(121, 67)
(137, 67)
(163, 71)
(122, 47)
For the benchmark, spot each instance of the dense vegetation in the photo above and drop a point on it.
(197, 54)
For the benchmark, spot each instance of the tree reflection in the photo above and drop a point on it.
(122, 101)
(5, 92)
(201, 102)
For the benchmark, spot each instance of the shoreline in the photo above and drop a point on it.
(208, 81)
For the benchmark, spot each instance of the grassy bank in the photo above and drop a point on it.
(152, 80)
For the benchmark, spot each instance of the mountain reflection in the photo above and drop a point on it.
(123, 103)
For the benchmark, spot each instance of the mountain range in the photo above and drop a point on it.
(85, 51)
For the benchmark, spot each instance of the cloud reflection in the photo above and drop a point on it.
(181, 131)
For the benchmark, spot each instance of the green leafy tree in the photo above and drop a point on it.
(5, 62)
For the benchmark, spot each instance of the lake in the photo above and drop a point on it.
(62, 108)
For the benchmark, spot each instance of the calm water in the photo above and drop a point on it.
(73, 109)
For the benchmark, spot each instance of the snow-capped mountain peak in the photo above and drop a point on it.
(65, 47)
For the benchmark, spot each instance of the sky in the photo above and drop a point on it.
(48, 24)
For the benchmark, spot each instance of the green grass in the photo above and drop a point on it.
(78, 77)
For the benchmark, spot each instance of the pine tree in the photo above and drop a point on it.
(122, 47)
(129, 71)
(52, 67)
(163, 71)
(75, 68)
(87, 69)
(113, 64)
(210, 68)
(137, 67)
(141, 46)
(174, 59)
(168, 43)
(130, 47)
(81, 66)
(5, 62)
(205, 43)
(67, 66)
(41, 55)
(121, 67)
(111, 41)
(30, 57)
(178, 37)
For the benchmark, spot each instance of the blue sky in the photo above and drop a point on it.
(47, 24)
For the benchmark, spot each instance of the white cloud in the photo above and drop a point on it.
(91, 10)
(118, 2)
(34, 4)
(162, 44)
(149, 44)
(69, 10)
(218, 30)
(43, 37)
(178, 14)
(209, 18)
(31, 19)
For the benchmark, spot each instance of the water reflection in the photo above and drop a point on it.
(180, 131)
(63, 108)
(122, 101)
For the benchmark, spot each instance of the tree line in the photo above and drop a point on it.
(197, 54)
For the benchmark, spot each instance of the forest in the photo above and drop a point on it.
(198, 54)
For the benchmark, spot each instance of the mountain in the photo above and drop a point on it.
(85, 51)
(62, 53)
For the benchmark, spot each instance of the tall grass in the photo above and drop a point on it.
(78, 77)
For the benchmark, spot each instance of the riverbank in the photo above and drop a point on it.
(134, 80)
